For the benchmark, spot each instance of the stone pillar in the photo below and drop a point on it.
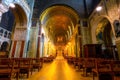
(79, 41)
(118, 48)
(85, 37)
(42, 44)
(32, 52)
(76, 45)
(17, 48)
(39, 38)
(18, 42)
(85, 32)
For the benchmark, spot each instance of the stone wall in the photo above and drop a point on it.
(111, 11)
(33, 42)
(85, 32)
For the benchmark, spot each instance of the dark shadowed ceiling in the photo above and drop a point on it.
(83, 7)
(60, 17)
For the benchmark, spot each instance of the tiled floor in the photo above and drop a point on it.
(59, 69)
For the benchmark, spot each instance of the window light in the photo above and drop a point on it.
(99, 8)
(12, 5)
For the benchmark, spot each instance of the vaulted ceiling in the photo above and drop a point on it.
(60, 17)
(59, 23)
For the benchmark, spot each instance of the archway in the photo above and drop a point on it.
(104, 35)
(4, 46)
(4, 50)
(59, 22)
(14, 24)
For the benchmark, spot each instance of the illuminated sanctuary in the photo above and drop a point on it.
(63, 39)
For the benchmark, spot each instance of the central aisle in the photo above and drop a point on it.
(59, 69)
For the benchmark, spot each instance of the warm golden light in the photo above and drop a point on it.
(59, 69)
(42, 31)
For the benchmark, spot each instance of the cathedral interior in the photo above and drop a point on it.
(60, 39)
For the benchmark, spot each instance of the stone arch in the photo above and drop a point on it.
(95, 24)
(64, 19)
(4, 46)
(20, 15)
(103, 31)
(14, 18)
(105, 36)
(19, 31)
(73, 13)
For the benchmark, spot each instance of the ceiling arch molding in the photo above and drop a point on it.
(59, 9)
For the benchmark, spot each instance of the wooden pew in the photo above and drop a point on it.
(37, 63)
(70, 59)
(7, 69)
(115, 65)
(48, 59)
(88, 65)
(25, 66)
(78, 62)
(103, 70)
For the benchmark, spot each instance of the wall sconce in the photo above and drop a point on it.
(99, 8)
(12, 5)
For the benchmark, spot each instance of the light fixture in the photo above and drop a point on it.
(99, 8)
(12, 5)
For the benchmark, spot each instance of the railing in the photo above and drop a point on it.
(4, 34)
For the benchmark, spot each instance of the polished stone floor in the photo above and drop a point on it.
(59, 69)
